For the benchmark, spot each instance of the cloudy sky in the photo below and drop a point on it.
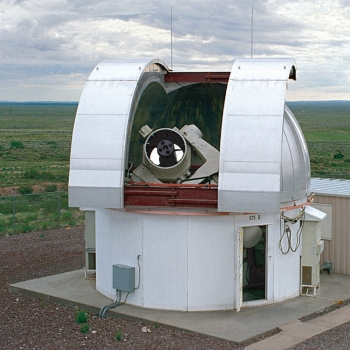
(49, 47)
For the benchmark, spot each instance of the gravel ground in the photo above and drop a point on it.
(337, 338)
(35, 324)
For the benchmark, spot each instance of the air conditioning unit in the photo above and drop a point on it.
(312, 248)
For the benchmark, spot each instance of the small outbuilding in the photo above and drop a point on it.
(332, 196)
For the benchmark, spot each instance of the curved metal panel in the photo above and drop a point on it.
(110, 70)
(258, 69)
(295, 181)
(106, 97)
(102, 126)
(251, 136)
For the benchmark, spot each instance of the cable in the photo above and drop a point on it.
(293, 220)
(118, 301)
(298, 234)
(288, 233)
(138, 263)
(125, 299)
(128, 172)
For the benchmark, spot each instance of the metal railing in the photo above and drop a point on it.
(20, 213)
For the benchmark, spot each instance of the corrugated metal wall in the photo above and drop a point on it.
(337, 250)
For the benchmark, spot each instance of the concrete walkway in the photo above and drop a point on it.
(295, 332)
(72, 289)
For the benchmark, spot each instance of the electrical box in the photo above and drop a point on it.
(124, 278)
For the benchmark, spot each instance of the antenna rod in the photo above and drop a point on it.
(251, 34)
(171, 38)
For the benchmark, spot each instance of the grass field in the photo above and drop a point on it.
(34, 152)
(35, 143)
(326, 127)
(35, 148)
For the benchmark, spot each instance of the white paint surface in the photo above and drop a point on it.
(210, 262)
(188, 262)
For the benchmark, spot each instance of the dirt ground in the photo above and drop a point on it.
(36, 324)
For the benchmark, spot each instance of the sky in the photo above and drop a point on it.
(49, 48)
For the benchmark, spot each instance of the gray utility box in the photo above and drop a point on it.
(124, 278)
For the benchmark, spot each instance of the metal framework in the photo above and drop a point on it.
(207, 77)
(171, 195)
(197, 77)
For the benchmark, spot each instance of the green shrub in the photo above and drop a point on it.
(24, 228)
(39, 175)
(338, 156)
(47, 175)
(72, 223)
(25, 190)
(66, 216)
(31, 174)
(51, 188)
(84, 328)
(16, 144)
(81, 317)
(32, 217)
(119, 335)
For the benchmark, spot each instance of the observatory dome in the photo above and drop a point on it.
(187, 175)
(262, 161)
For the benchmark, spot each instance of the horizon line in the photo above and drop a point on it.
(76, 102)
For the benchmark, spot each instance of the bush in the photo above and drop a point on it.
(32, 217)
(24, 228)
(39, 175)
(119, 335)
(16, 144)
(51, 188)
(84, 328)
(72, 223)
(31, 174)
(25, 190)
(81, 317)
(67, 216)
(338, 156)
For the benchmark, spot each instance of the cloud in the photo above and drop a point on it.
(57, 40)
